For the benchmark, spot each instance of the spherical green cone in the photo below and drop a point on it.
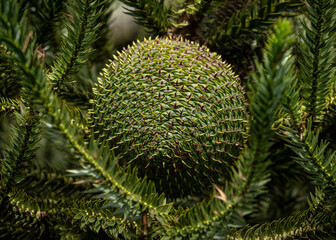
(174, 110)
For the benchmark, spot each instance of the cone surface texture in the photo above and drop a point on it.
(171, 107)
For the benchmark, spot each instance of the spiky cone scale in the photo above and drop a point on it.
(173, 109)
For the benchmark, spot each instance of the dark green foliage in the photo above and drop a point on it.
(307, 224)
(9, 84)
(317, 56)
(234, 29)
(109, 189)
(150, 13)
(252, 18)
(81, 26)
(20, 217)
(8, 105)
(314, 157)
(238, 31)
(44, 16)
(24, 137)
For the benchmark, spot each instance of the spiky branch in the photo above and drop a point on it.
(317, 54)
(81, 23)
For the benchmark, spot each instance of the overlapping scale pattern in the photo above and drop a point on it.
(171, 104)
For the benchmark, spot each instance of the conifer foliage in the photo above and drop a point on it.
(245, 155)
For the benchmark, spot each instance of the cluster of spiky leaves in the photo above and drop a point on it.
(102, 199)
(170, 107)
(8, 75)
(151, 13)
(44, 17)
(227, 27)
(81, 26)
(318, 43)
